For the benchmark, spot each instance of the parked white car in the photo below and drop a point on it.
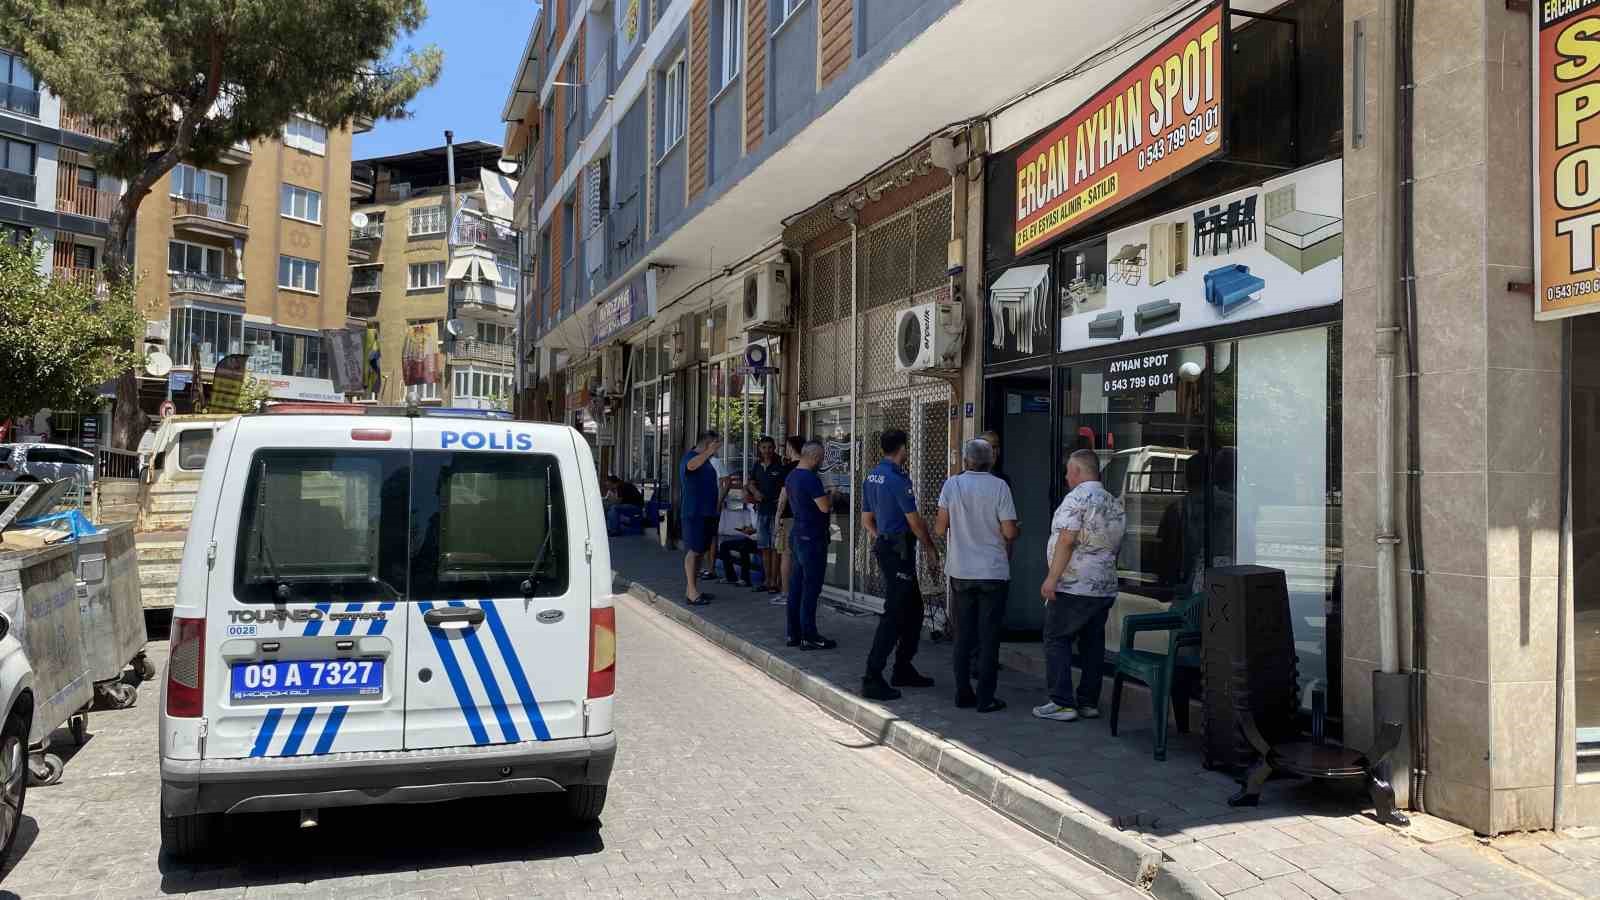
(16, 718)
(45, 462)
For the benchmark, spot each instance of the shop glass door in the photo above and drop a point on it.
(1586, 538)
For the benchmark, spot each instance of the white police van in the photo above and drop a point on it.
(382, 607)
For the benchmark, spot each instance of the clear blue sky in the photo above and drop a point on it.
(482, 42)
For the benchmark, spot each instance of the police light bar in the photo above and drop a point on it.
(458, 412)
(317, 409)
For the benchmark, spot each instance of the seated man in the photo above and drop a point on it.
(626, 493)
(736, 532)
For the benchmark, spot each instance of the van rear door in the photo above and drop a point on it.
(304, 648)
(499, 624)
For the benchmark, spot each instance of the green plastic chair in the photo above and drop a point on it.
(1158, 670)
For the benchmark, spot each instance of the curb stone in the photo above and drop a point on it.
(1120, 854)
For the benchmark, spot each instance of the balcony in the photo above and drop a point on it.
(210, 216)
(362, 181)
(201, 284)
(80, 124)
(83, 200)
(482, 293)
(93, 279)
(366, 281)
(475, 351)
(16, 185)
(362, 306)
(372, 231)
(472, 231)
(235, 154)
(19, 100)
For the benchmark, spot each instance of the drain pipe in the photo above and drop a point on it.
(1407, 284)
(1563, 579)
(855, 388)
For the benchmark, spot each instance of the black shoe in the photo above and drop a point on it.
(818, 643)
(994, 705)
(878, 689)
(792, 642)
(701, 600)
(909, 677)
(966, 701)
(709, 574)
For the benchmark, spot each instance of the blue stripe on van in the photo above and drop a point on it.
(314, 626)
(347, 625)
(447, 658)
(491, 685)
(269, 724)
(519, 678)
(378, 625)
(297, 731)
(331, 729)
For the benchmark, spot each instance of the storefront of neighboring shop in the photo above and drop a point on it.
(1163, 272)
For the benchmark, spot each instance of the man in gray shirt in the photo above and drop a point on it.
(979, 520)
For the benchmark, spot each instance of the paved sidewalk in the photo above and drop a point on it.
(1106, 798)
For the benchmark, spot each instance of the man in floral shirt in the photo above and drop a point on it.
(1080, 588)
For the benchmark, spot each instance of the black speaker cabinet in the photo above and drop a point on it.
(1247, 661)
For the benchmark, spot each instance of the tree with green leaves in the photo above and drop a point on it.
(183, 81)
(60, 340)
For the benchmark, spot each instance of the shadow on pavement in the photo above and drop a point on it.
(270, 849)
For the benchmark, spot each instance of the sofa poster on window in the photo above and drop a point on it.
(1260, 251)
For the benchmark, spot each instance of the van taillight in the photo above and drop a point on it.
(186, 668)
(602, 652)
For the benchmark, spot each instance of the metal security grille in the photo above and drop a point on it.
(902, 263)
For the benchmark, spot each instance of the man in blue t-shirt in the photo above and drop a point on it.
(811, 504)
(889, 515)
(698, 510)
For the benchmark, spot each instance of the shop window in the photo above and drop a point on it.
(213, 334)
(1586, 540)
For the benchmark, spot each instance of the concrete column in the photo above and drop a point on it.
(1488, 393)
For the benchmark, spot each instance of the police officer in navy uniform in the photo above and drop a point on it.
(889, 515)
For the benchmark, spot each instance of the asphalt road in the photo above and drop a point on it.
(726, 784)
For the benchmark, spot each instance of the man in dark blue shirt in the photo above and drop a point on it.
(698, 510)
(811, 505)
(889, 515)
(766, 484)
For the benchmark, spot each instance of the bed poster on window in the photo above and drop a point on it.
(1258, 251)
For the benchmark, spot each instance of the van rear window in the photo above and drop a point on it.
(331, 526)
(485, 524)
(319, 525)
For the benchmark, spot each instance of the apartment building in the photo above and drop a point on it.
(52, 197)
(413, 283)
(249, 255)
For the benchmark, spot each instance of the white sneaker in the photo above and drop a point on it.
(1055, 712)
(778, 600)
(1088, 712)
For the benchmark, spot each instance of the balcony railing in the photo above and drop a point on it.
(19, 99)
(83, 200)
(212, 208)
(370, 232)
(16, 185)
(225, 286)
(94, 279)
(470, 230)
(502, 296)
(362, 180)
(71, 121)
(474, 350)
(365, 284)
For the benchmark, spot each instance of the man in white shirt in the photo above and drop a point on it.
(736, 535)
(978, 518)
(1080, 589)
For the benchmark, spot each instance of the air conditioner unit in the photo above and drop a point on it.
(928, 336)
(612, 373)
(156, 331)
(766, 296)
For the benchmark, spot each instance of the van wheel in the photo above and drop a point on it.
(189, 837)
(13, 781)
(585, 802)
